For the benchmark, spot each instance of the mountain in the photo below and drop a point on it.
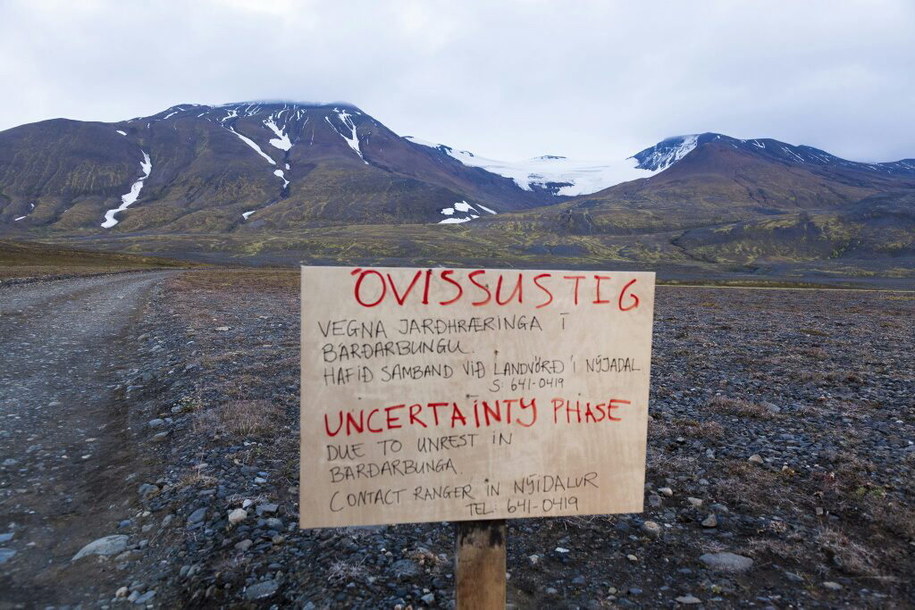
(720, 200)
(709, 179)
(236, 167)
(670, 151)
(285, 182)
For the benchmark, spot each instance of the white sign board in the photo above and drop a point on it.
(462, 394)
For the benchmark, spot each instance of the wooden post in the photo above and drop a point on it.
(480, 565)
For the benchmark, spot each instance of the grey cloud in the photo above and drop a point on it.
(503, 79)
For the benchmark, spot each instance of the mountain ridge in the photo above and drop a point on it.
(286, 181)
(233, 159)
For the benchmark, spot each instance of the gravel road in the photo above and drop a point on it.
(64, 453)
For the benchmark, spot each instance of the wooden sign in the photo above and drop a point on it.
(464, 394)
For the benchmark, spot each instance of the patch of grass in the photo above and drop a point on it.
(748, 485)
(196, 478)
(847, 555)
(240, 418)
(20, 260)
(739, 407)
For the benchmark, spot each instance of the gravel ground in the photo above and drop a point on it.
(780, 466)
(65, 445)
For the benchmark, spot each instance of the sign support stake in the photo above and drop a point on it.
(480, 565)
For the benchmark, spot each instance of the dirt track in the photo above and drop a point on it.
(64, 448)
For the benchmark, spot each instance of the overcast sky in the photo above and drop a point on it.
(504, 79)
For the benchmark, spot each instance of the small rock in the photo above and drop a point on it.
(429, 598)
(405, 568)
(533, 559)
(694, 502)
(156, 423)
(6, 555)
(561, 550)
(771, 408)
(244, 545)
(710, 521)
(197, 516)
(666, 491)
(237, 516)
(651, 529)
(10, 462)
(122, 592)
(688, 600)
(727, 562)
(109, 545)
(142, 599)
(551, 591)
(158, 437)
(266, 509)
(832, 586)
(654, 500)
(631, 557)
(221, 329)
(274, 524)
(756, 459)
(6, 537)
(261, 590)
(146, 490)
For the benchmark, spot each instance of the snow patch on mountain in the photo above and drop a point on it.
(353, 139)
(123, 133)
(559, 175)
(667, 152)
(128, 199)
(281, 140)
(282, 176)
(462, 212)
(254, 146)
(26, 215)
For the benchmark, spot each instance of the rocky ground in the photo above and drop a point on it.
(780, 468)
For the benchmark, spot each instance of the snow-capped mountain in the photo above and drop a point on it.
(562, 176)
(670, 151)
(254, 168)
(709, 179)
(234, 167)
(665, 153)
